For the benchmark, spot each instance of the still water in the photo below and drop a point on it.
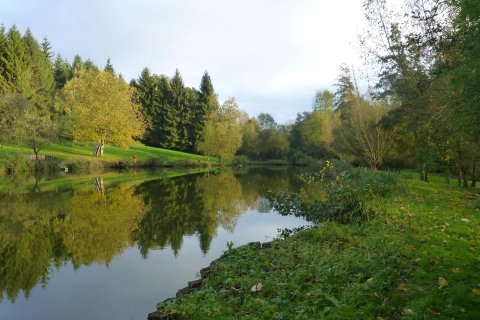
(112, 246)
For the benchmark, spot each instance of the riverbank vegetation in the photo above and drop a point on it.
(413, 257)
(15, 159)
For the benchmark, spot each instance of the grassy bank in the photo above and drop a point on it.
(81, 156)
(418, 259)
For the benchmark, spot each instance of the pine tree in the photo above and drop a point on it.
(42, 80)
(90, 66)
(166, 122)
(16, 74)
(206, 103)
(109, 67)
(77, 66)
(3, 46)
(145, 96)
(47, 49)
(62, 72)
(182, 112)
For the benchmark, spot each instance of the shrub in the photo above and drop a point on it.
(346, 196)
(239, 161)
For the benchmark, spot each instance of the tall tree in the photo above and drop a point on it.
(102, 110)
(62, 72)
(207, 102)
(223, 132)
(42, 80)
(77, 66)
(267, 121)
(26, 124)
(324, 101)
(183, 112)
(16, 74)
(109, 67)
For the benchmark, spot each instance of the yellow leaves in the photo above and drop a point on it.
(101, 108)
(442, 282)
(402, 287)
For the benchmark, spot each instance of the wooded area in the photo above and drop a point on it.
(422, 111)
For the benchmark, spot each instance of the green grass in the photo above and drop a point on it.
(419, 259)
(71, 152)
(28, 183)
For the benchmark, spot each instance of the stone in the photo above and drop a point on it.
(195, 284)
(205, 272)
(266, 244)
(182, 292)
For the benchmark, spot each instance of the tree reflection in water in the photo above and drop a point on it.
(92, 224)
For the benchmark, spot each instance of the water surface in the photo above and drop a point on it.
(112, 246)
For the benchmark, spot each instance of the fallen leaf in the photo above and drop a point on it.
(442, 282)
(476, 291)
(408, 311)
(402, 287)
(455, 270)
(257, 287)
(370, 279)
(465, 220)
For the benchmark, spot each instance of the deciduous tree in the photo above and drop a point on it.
(102, 110)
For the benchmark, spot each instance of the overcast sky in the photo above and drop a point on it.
(271, 55)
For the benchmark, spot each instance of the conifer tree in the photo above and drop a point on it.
(47, 49)
(182, 112)
(109, 67)
(16, 75)
(206, 103)
(89, 65)
(167, 118)
(42, 80)
(62, 72)
(77, 66)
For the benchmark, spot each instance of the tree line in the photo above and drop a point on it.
(422, 111)
(45, 100)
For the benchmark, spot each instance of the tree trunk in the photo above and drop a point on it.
(95, 150)
(36, 151)
(460, 177)
(474, 174)
(465, 178)
(423, 172)
(447, 175)
(102, 146)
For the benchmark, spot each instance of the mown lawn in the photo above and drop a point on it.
(71, 152)
(418, 259)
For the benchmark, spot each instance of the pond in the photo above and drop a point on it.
(111, 246)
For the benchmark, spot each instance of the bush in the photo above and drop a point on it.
(156, 162)
(298, 158)
(17, 163)
(239, 161)
(346, 196)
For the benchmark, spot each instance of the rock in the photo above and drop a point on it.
(156, 315)
(182, 292)
(168, 300)
(195, 284)
(266, 244)
(205, 272)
